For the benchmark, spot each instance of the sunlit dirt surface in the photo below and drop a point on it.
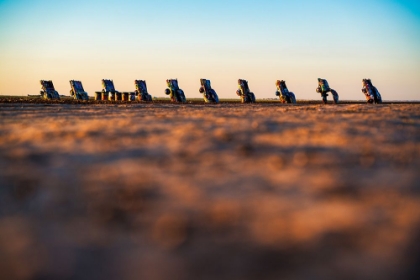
(230, 191)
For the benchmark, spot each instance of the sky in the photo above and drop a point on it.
(260, 41)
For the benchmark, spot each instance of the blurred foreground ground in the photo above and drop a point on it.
(230, 191)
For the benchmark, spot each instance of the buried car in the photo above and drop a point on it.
(244, 92)
(48, 91)
(371, 92)
(175, 93)
(283, 93)
(323, 88)
(77, 90)
(108, 92)
(141, 91)
(209, 94)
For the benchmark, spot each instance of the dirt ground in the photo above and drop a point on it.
(228, 191)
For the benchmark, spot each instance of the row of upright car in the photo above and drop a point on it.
(176, 94)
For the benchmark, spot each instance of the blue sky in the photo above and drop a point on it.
(298, 41)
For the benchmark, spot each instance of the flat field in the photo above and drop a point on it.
(228, 191)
